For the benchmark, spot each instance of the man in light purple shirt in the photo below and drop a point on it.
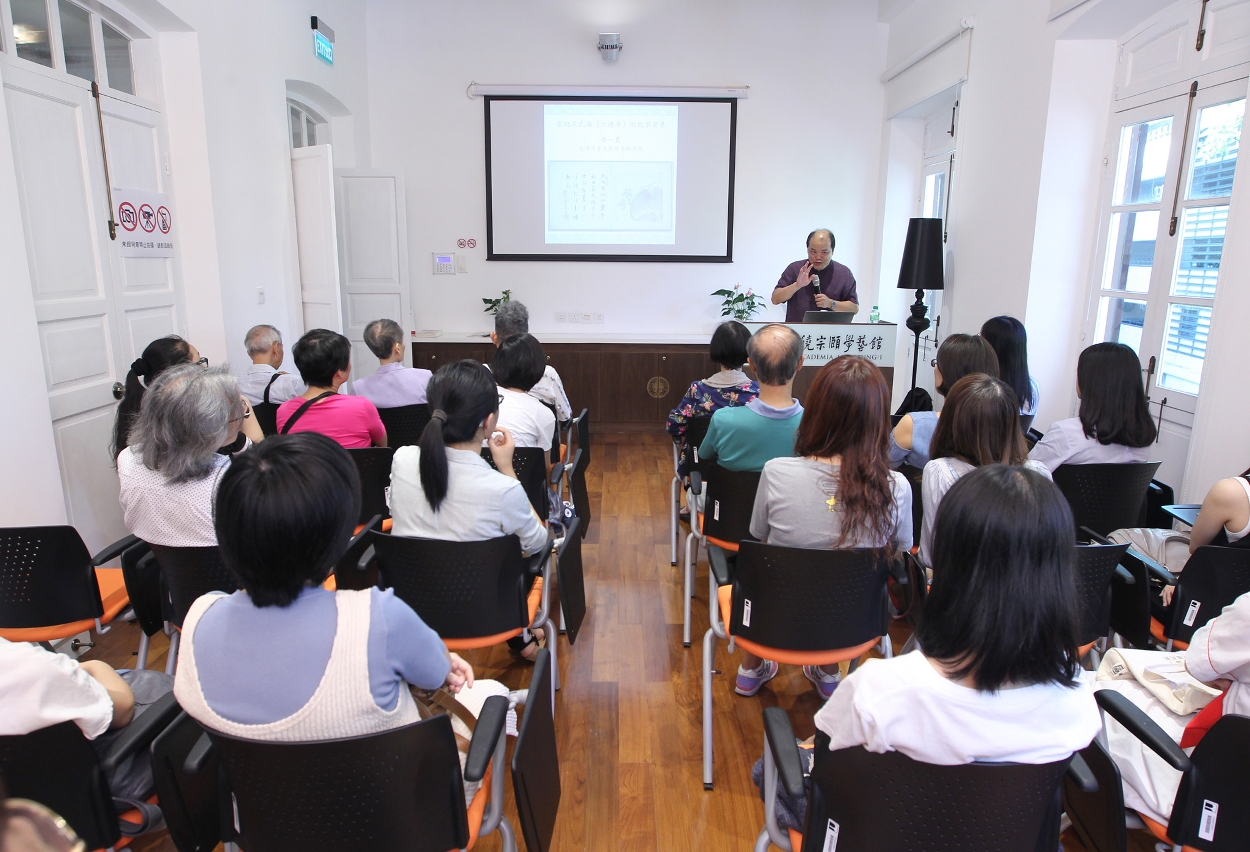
(393, 385)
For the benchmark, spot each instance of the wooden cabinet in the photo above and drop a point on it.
(431, 356)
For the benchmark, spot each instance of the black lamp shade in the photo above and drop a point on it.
(922, 264)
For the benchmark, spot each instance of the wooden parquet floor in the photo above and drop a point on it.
(628, 715)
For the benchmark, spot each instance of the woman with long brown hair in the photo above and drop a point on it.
(837, 491)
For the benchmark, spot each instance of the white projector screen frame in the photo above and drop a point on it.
(726, 257)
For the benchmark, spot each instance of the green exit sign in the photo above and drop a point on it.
(323, 47)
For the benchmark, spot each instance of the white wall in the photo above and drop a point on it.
(808, 141)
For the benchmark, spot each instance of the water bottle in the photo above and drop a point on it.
(875, 316)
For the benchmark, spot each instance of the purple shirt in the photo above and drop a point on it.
(836, 282)
(394, 385)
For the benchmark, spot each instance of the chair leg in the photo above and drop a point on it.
(688, 590)
(555, 669)
(709, 656)
(142, 661)
(171, 659)
(672, 526)
(772, 832)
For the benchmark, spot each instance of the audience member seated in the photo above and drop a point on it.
(160, 355)
(324, 359)
(393, 385)
(728, 388)
(1011, 344)
(264, 347)
(837, 492)
(511, 319)
(284, 659)
(517, 366)
(980, 425)
(1113, 425)
(997, 676)
(745, 437)
(181, 444)
(444, 489)
(958, 356)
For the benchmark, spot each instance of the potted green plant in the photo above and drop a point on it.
(492, 305)
(737, 304)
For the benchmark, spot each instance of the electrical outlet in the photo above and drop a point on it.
(599, 318)
(575, 317)
(561, 316)
(260, 295)
(588, 318)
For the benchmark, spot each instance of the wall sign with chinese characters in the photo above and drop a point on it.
(823, 342)
(145, 223)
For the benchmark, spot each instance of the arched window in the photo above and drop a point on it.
(307, 126)
(91, 47)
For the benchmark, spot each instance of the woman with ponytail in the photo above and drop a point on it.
(443, 488)
(161, 354)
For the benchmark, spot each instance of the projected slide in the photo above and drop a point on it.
(611, 173)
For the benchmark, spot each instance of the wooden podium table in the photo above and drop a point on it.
(631, 382)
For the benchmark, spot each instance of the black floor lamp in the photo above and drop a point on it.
(921, 270)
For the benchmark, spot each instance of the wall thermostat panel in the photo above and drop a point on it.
(444, 264)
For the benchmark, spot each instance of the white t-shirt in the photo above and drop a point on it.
(1065, 442)
(39, 689)
(531, 423)
(172, 514)
(904, 704)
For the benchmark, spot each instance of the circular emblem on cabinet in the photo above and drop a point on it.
(657, 387)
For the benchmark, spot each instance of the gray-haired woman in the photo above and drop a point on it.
(190, 420)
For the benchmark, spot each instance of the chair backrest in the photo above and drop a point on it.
(189, 800)
(347, 574)
(404, 424)
(373, 464)
(1106, 497)
(808, 600)
(728, 499)
(579, 430)
(58, 768)
(189, 572)
(891, 803)
(461, 589)
(535, 762)
(696, 431)
(572, 580)
(1213, 578)
(1032, 436)
(1219, 778)
(1097, 816)
(397, 790)
(1026, 422)
(266, 414)
(555, 433)
(142, 574)
(1158, 495)
(530, 466)
(46, 578)
(577, 490)
(1095, 566)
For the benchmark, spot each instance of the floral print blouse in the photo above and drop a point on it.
(726, 389)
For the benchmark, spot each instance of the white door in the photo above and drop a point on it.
(312, 180)
(373, 247)
(1164, 238)
(96, 310)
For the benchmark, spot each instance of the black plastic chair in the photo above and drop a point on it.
(189, 800)
(142, 574)
(915, 478)
(535, 762)
(347, 571)
(728, 500)
(59, 768)
(49, 582)
(1213, 578)
(1106, 497)
(579, 431)
(1214, 775)
(187, 573)
(789, 600)
(404, 424)
(373, 464)
(396, 790)
(857, 799)
(473, 594)
(530, 466)
(575, 472)
(1096, 566)
(685, 458)
(572, 580)
(1032, 436)
(1026, 422)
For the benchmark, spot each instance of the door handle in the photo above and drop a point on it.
(1150, 373)
(119, 390)
(1159, 424)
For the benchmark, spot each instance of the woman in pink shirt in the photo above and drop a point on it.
(324, 359)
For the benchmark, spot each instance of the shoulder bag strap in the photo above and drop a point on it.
(299, 412)
(272, 379)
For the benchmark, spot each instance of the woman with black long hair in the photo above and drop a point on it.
(1011, 344)
(1113, 425)
(159, 356)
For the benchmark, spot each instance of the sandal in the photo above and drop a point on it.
(537, 642)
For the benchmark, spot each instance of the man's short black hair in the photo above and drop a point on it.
(729, 344)
(1003, 606)
(519, 362)
(832, 241)
(320, 354)
(284, 513)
